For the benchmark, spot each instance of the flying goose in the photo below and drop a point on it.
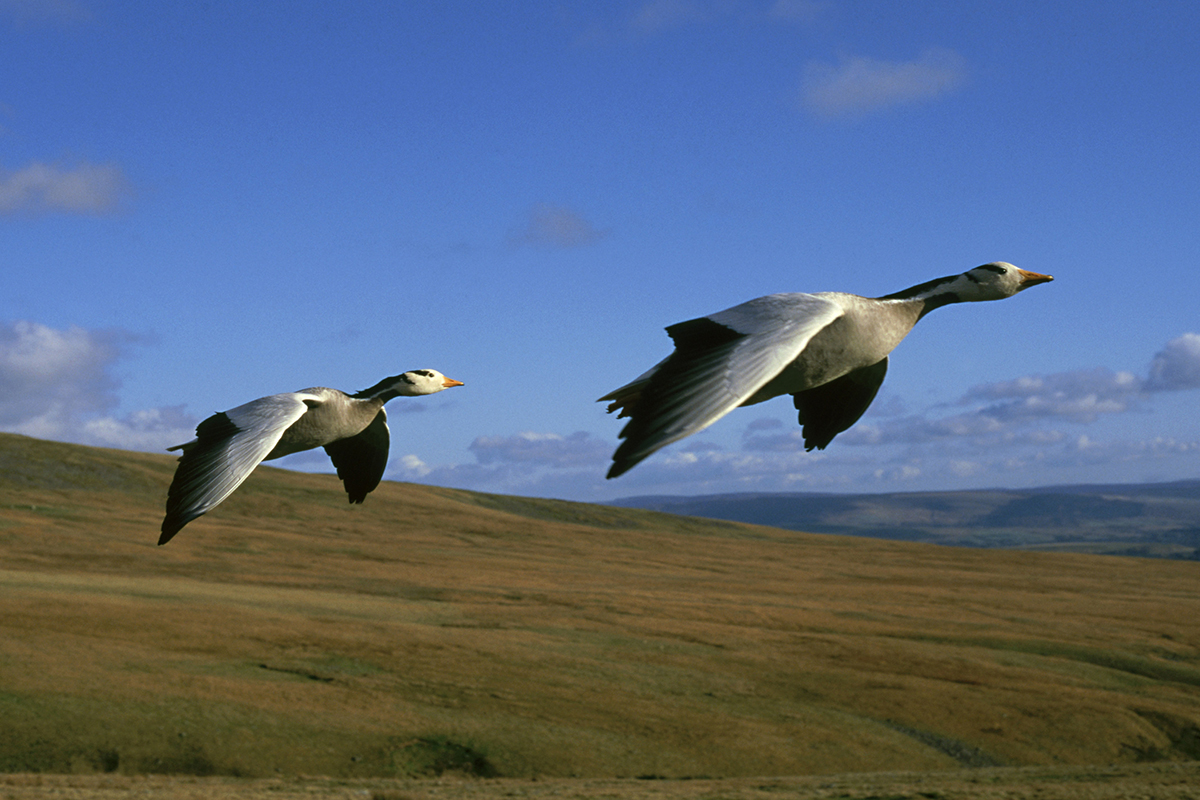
(351, 427)
(828, 350)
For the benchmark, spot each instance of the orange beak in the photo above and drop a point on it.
(446, 384)
(1032, 278)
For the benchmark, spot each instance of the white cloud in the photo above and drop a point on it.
(57, 384)
(1177, 365)
(1099, 382)
(556, 226)
(550, 450)
(411, 466)
(82, 189)
(1005, 411)
(859, 85)
(52, 374)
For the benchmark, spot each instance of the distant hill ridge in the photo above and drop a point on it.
(1155, 519)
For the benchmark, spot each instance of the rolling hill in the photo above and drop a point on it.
(433, 630)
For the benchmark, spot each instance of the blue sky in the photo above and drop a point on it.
(204, 203)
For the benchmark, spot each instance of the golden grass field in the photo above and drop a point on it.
(289, 644)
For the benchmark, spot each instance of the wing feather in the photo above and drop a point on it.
(719, 362)
(227, 448)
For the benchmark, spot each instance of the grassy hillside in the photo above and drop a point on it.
(1161, 520)
(429, 630)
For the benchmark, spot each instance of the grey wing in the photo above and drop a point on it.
(625, 399)
(719, 362)
(227, 448)
(829, 409)
(362, 459)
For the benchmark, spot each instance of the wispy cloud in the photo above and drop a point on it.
(44, 12)
(555, 226)
(659, 15)
(147, 429)
(58, 384)
(550, 450)
(859, 85)
(531, 463)
(653, 18)
(82, 189)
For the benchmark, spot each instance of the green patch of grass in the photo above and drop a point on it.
(1107, 658)
(70, 734)
(428, 756)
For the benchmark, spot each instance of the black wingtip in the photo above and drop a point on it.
(173, 525)
(624, 460)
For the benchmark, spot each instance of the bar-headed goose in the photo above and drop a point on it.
(351, 427)
(828, 350)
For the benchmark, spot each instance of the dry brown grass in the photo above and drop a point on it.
(437, 631)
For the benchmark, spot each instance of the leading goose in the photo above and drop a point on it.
(351, 427)
(828, 350)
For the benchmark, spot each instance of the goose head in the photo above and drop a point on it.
(994, 281)
(409, 384)
(421, 381)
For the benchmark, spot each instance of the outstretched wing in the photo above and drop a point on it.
(829, 409)
(361, 459)
(719, 362)
(227, 448)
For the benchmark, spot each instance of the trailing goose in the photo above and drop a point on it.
(351, 427)
(828, 350)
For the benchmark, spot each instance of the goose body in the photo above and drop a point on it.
(828, 350)
(229, 445)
